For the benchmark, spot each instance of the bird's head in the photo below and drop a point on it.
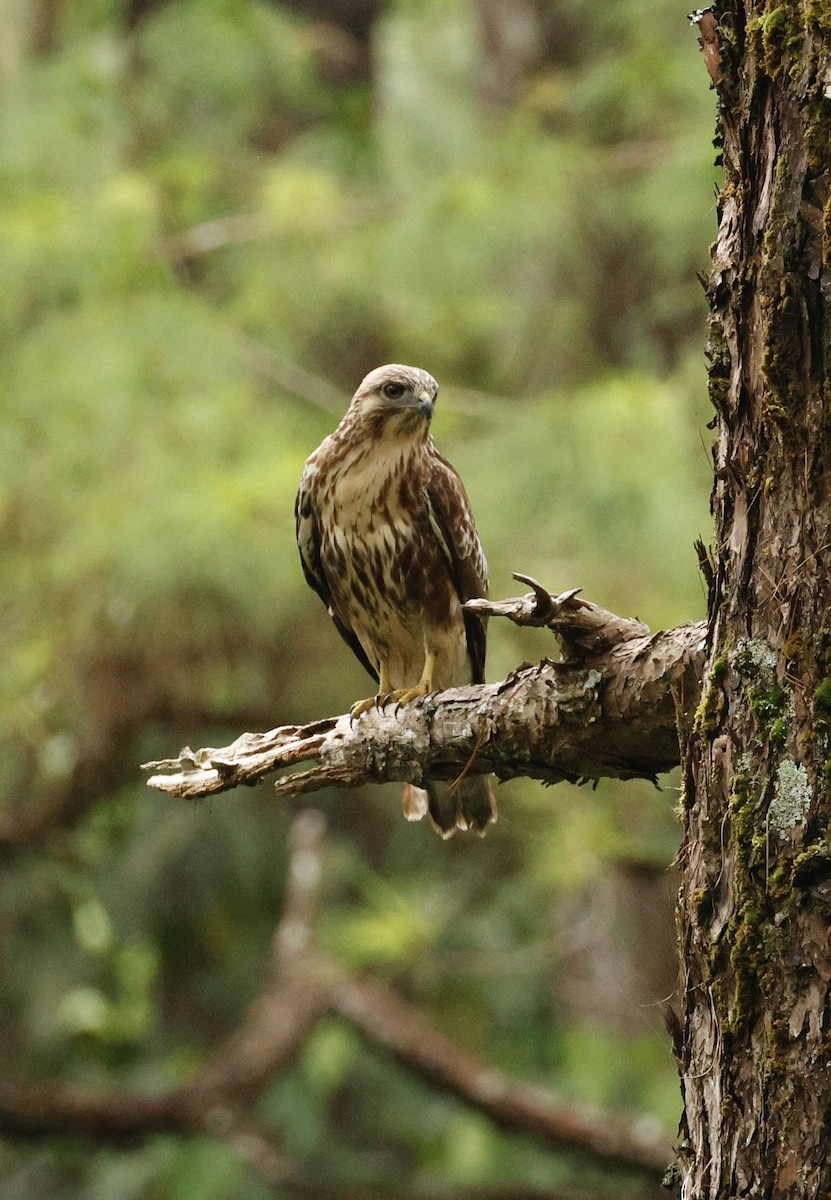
(396, 401)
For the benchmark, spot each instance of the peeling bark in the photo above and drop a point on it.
(608, 709)
(754, 1052)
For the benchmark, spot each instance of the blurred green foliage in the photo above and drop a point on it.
(215, 217)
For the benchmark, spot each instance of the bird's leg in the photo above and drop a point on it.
(424, 685)
(378, 700)
(398, 696)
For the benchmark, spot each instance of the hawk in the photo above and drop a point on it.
(388, 542)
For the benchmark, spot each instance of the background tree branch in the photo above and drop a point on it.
(386, 1020)
(301, 986)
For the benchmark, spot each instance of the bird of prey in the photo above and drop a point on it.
(388, 542)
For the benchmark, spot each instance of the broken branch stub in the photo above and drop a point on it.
(608, 709)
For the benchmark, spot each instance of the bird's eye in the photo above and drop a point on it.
(393, 391)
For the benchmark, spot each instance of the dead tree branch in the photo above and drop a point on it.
(610, 708)
(58, 1109)
(386, 1020)
(232, 1082)
(302, 986)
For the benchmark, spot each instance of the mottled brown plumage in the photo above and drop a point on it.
(388, 542)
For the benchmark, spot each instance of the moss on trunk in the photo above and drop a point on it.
(756, 887)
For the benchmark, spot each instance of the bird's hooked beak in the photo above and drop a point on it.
(426, 403)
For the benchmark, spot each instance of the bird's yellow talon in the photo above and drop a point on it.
(398, 697)
(407, 695)
(362, 706)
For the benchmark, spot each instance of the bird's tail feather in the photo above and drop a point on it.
(467, 804)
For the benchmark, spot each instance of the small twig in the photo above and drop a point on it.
(584, 630)
(235, 230)
(291, 378)
(465, 771)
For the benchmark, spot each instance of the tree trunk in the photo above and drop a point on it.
(755, 1037)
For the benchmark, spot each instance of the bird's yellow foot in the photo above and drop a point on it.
(398, 696)
(422, 688)
(407, 695)
(362, 706)
(382, 699)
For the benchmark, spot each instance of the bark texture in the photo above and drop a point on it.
(609, 708)
(755, 1036)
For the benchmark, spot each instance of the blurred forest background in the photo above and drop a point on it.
(215, 217)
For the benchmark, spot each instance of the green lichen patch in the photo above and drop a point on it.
(771, 702)
(792, 797)
(795, 648)
(767, 702)
(747, 829)
(818, 16)
(822, 696)
(782, 359)
(744, 764)
(813, 866)
(774, 33)
(754, 659)
(779, 731)
(711, 705)
(817, 136)
(747, 958)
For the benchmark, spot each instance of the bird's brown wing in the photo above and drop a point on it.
(453, 524)
(308, 543)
